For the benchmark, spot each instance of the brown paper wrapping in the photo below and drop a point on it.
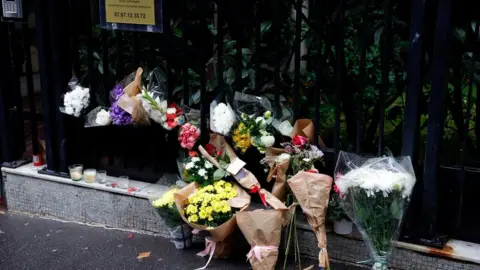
(221, 234)
(263, 228)
(277, 172)
(312, 191)
(131, 104)
(305, 128)
(249, 181)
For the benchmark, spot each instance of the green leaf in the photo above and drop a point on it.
(219, 174)
(395, 210)
(96, 56)
(265, 27)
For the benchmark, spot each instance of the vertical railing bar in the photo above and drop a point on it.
(41, 33)
(220, 48)
(92, 74)
(258, 23)
(16, 91)
(297, 42)
(135, 47)
(167, 32)
(30, 90)
(186, 89)
(73, 40)
(203, 84)
(385, 73)
(60, 75)
(276, 78)
(435, 124)
(363, 78)
(316, 117)
(466, 129)
(106, 69)
(339, 51)
(120, 64)
(414, 80)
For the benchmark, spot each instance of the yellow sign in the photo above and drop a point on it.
(130, 11)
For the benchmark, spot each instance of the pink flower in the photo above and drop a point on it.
(299, 141)
(188, 135)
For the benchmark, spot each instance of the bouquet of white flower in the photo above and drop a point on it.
(76, 100)
(375, 194)
(198, 169)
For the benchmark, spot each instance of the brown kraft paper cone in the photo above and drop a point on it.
(312, 191)
(220, 234)
(263, 230)
(277, 172)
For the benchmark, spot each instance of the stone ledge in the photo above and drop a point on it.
(97, 204)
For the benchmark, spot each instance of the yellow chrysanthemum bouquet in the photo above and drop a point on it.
(180, 232)
(212, 208)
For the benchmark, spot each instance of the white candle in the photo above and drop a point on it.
(90, 175)
(76, 175)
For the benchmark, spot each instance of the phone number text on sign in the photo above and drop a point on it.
(130, 11)
(130, 15)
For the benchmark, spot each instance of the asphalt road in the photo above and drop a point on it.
(35, 243)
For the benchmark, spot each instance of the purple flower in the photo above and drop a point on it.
(118, 115)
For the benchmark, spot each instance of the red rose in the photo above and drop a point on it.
(219, 153)
(210, 149)
(299, 141)
(192, 154)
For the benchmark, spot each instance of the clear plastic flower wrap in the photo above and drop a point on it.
(222, 116)
(164, 205)
(155, 101)
(254, 126)
(375, 193)
(97, 117)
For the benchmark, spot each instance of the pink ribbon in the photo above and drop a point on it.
(209, 249)
(257, 251)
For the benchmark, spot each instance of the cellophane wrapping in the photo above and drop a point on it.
(375, 194)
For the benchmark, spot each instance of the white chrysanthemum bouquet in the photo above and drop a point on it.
(375, 194)
(76, 100)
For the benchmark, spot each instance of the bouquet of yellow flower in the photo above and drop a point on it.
(212, 208)
(254, 131)
(180, 232)
(209, 205)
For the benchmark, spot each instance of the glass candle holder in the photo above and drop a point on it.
(90, 175)
(102, 177)
(123, 182)
(76, 172)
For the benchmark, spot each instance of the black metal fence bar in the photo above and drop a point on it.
(340, 58)
(105, 65)
(386, 52)
(30, 91)
(220, 48)
(436, 115)
(298, 56)
(363, 77)
(119, 61)
(204, 106)
(414, 85)
(465, 131)
(258, 24)
(318, 7)
(276, 69)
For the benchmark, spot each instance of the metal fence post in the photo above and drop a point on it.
(436, 118)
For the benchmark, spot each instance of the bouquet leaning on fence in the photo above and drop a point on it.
(212, 208)
(375, 194)
(180, 232)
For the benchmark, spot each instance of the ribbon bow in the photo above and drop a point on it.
(256, 189)
(257, 251)
(210, 246)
